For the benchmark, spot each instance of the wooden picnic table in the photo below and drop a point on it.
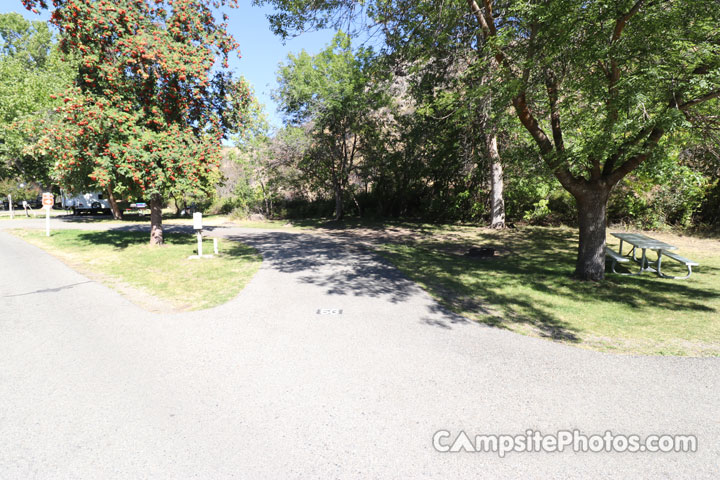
(645, 243)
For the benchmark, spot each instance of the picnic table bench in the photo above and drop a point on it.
(138, 207)
(645, 243)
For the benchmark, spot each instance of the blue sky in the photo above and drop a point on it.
(261, 50)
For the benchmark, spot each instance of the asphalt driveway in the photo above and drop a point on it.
(329, 364)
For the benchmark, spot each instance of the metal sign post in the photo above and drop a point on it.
(48, 200)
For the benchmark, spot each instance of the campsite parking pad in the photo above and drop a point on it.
(91, 386)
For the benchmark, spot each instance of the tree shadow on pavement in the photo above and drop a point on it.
(340, 268)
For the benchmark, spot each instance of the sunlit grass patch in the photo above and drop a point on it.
(120, 258)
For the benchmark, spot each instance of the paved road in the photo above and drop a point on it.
(93, 387)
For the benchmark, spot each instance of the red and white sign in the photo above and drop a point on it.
(48, 200)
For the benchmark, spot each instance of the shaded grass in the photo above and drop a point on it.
(134, 217)
(121, 257)
(169, 218)
(528, 289)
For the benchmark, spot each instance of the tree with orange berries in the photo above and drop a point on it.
(148, 108)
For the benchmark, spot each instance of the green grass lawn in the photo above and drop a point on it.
(125, 261)
(527, 288)
(169, 218)
(19, 213)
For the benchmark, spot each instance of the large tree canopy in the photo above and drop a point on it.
(30, 72)
(27, 41)
(596, 85)
(331, 92)
(146, 113)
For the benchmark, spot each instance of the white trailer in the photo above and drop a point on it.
(93, 202)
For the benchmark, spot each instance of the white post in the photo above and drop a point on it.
(12, 213)
(215, 249)
(197, 226)
(47, 220)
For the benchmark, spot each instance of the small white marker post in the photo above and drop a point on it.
(47, 200)
(12, 212)
(197, 225)
(215, 249)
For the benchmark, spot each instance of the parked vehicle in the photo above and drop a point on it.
(18, 204)
(93, 203)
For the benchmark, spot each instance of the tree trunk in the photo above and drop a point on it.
(156, 231)
(266, 203)
(592, 209)
(497, 203)
(178, 210)
(338, 202)
(357, 205)
(117, 214)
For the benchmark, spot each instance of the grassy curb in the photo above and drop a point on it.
(125, 262)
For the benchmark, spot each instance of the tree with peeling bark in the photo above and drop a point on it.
(145, 116)
(497, 202)
(449, 85)
(607, 80)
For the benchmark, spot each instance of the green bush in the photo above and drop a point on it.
(527, 198)
(709, 212)
(10, 186)
(223, 205)
(246, 199)
(671, 199)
